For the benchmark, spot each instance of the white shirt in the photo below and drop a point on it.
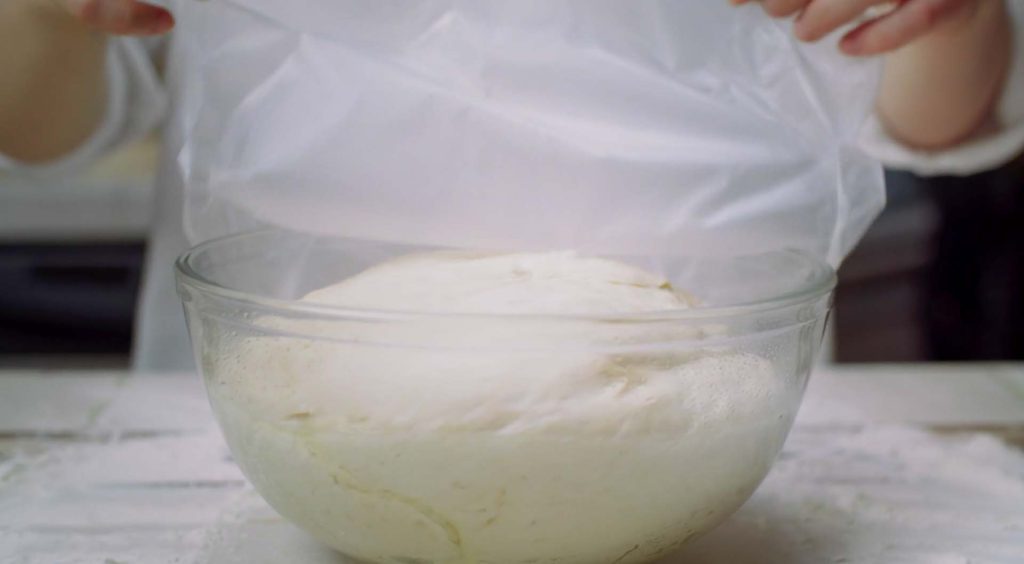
(137, 99)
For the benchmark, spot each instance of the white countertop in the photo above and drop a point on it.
(104, 467)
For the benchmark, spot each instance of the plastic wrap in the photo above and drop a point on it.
(648, 127)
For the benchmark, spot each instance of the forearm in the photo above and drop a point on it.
(939, 90)
(52, 82)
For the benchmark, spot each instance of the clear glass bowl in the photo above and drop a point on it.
(406, 437)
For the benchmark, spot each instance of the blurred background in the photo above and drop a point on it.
(71, 252)
(940, 276)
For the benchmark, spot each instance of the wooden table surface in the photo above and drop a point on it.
(900, 464)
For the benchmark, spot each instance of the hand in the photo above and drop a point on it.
(118, 17)
(904, 22)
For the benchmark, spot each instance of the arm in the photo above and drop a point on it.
(945, 59)
(53, 89)
(939, 90)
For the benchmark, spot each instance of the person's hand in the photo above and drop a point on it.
(117, 17)
(901, 23)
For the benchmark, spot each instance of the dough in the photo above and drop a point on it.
(502, 436)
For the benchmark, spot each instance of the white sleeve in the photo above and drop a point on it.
(994, 146)
(136, 101)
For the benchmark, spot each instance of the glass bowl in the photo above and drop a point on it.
(408, 437)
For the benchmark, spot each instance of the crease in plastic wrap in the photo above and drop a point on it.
(650, 127)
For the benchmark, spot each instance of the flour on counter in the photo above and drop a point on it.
(846, 493)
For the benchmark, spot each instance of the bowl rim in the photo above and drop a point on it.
(819, 285)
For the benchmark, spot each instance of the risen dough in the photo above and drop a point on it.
(463, 440)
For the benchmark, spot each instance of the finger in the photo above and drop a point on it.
(901, 26)
(124, 17)
(822, 17)
(783, 8)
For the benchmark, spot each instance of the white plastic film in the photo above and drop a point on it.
(647, 127)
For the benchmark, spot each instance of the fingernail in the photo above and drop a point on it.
(163, 21)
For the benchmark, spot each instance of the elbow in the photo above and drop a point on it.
(35, 156)
(52, 124)
(35, 145)
(945, 90)
(934, 135)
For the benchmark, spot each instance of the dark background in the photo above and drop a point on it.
(940, 276)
